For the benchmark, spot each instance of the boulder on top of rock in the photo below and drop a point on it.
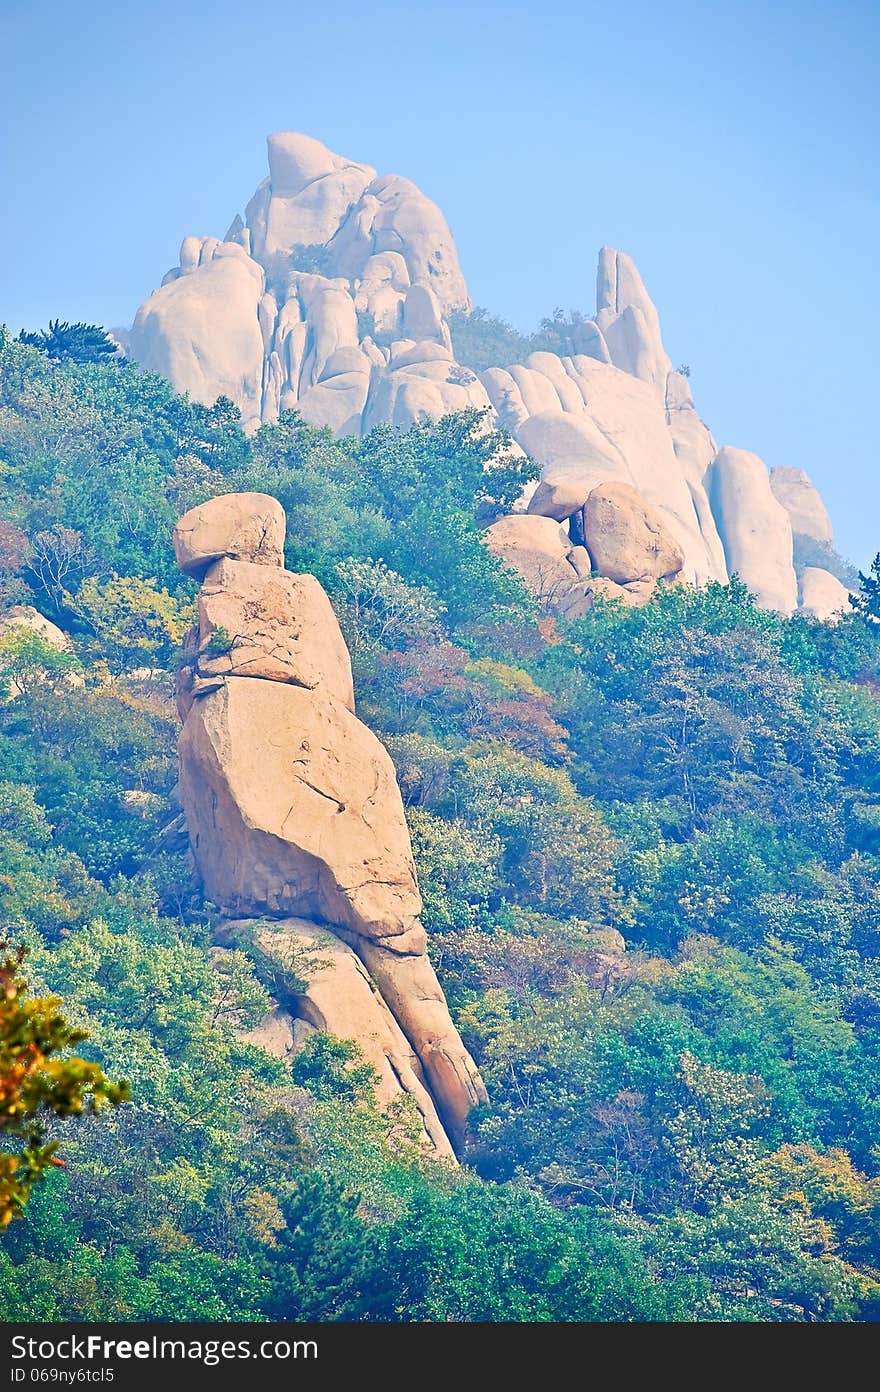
(627, 538)
(559, 498)
(292, 805)
(242, 526)
(537, 548)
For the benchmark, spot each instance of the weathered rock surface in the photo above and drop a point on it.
(240, 526)
(806, 511)
(293, 810)
(755, 528)
(280, 627)
(557, 498)
(628, 321)
(822, 595)
(627, 538)
(339, 998)
(202, 332)
(292, 805)
(537, 548)
(332, 297)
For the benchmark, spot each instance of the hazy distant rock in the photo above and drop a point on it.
(617, 431)
(421, 383)
(558, 498)
(423, 317)
(537, 548)
(394, 215)
(280, 627)
(794, 490)
(822, 595)
(628, 320)
(306, 197)
(755, 528)
(202, 332)
(331, 297)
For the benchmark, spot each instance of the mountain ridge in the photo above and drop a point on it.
(333, 296)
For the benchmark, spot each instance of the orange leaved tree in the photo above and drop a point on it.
(38, 1080)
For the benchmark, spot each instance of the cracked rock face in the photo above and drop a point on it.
(806, 511)
(293, 810)
(340, 998)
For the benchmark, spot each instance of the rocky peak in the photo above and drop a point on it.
(332, 296)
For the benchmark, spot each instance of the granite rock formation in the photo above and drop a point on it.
(294, 815)
(332, 295)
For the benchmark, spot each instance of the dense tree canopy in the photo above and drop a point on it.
(687, 1129)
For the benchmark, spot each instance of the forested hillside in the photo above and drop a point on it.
(649, 846)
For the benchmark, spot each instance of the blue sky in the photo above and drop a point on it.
(731, 149)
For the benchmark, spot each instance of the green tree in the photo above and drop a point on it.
(79, 343)
(320, 1263)
(38, 1080)
(29, 662)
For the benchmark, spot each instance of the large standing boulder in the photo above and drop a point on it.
(293, 809)
(627, 538)
(292, 805)
(755, 528)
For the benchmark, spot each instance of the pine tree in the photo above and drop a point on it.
(868, 602)
(78, 343)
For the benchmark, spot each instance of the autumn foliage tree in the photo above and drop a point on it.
(38, 1080)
